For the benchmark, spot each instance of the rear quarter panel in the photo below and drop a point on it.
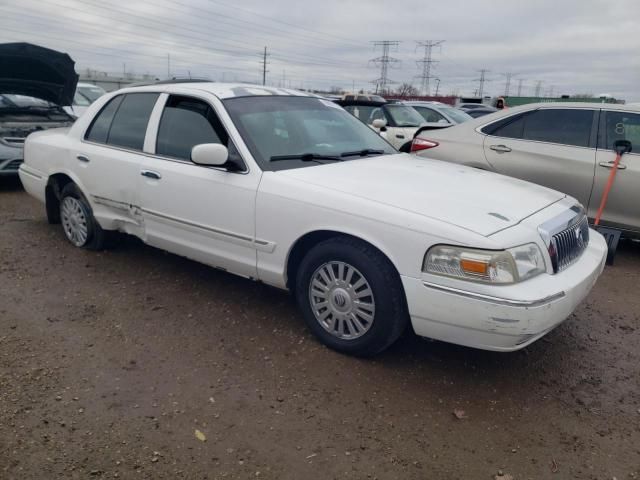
(460, 144)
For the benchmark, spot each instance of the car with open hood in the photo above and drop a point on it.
(35, 84)
(289, 189)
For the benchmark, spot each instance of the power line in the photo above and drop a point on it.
(427, 63)
(383, 62)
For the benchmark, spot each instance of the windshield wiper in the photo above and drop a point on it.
(362, 153)
(305, 157)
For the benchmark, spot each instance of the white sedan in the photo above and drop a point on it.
(291, 190)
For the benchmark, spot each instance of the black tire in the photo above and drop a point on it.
(96, 236)
(391, 316)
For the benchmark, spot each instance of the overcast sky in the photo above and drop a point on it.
(570, 46)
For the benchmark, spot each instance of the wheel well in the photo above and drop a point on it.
(52, 195)
(310, 240)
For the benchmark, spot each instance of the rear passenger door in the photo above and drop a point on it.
(554, 147)
(202, 212)
(107, 161)
(623, 204)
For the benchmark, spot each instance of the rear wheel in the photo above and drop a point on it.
(351, 296)
(78, 223)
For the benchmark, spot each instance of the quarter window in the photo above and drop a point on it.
(621, 126)
(185, 123)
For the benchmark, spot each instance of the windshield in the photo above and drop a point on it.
(458, 115)
(23, 101)
(405, 116)
(276, 126)
(90, 92)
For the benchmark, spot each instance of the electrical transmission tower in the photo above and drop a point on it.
(520, 80)
(507, 84)
(384, 61)
(482, 79)
(427, 63)
(264, 64)
(538, 88)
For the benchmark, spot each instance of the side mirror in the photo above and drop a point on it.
(213, 154)
(379, 123)
(622, 146)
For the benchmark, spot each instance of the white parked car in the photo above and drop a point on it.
(289, 189)
(85, 95)
(436, 112)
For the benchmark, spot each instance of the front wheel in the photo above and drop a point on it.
(351, 296)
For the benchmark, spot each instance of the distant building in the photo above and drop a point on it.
(112, 82)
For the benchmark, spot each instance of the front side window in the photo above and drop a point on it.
(404, 116)
(430, 115)
(458, 115)
(276, 126)
(621, 126)
(185, 123)
(366, 113)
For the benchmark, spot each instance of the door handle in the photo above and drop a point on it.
(500, 148)
(610, 165)
(82, 158)
(150, 174)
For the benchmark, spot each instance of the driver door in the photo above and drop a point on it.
(201, 212)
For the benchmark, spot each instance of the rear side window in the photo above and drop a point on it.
(566, 127)
(187, 122)
(99, 129)
(129, 124)
(621, 126)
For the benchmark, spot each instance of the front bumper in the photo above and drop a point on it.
(512, 318)
(10, 166)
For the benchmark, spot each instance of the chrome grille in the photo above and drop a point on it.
(567, 246)
(566, 236)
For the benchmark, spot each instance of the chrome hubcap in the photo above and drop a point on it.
(342, 300)
(74, 221)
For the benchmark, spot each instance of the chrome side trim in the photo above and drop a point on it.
(262, 245)
(496, 300)
(107, 202)
(24, 169)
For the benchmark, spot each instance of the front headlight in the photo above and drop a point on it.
(487, 266)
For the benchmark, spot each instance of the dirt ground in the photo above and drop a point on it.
(110, 362)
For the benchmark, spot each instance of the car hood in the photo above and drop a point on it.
(476, 200)
(27, 69)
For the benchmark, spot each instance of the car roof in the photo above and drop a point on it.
(221, 90)
(591, 105)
